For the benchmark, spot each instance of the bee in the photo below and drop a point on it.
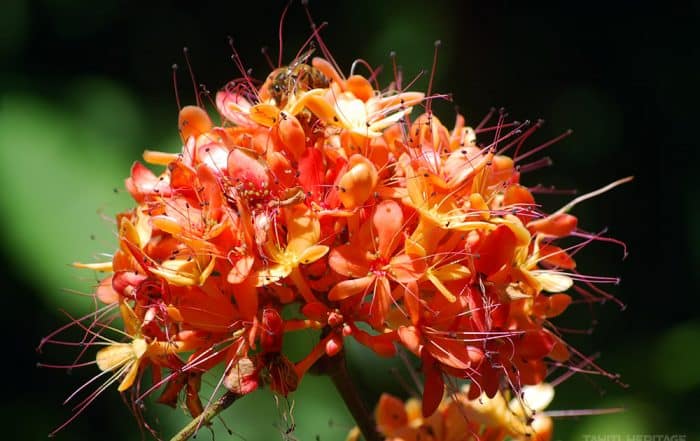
(293, 79)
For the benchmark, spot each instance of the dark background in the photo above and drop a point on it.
(85, 87)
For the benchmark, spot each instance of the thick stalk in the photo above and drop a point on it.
(204, 419)
(337, 370)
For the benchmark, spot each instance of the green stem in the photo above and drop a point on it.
(204, 419)
(337, 370)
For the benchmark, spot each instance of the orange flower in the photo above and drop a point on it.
(459, 418)
(371, 270)
(319, 191)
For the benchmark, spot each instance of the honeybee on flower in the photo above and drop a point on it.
(323, 202)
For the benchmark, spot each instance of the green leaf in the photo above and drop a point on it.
(58, 199)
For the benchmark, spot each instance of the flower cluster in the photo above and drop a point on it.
(321, 195)
(459, 418)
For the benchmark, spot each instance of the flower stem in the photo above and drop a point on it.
(204, 419)
(337, 370)
(302, 286)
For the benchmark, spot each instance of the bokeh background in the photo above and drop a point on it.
(86, 86)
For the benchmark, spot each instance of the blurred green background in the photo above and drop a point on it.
(86, 86)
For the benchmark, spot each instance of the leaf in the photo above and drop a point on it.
(55, 185)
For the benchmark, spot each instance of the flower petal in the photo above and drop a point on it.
(553, 281)
(381, 303)
(388, 221)
(106, 293)
(273, 274)
(312, 254)
(555, 225)
(496, 250)
(349, 288)
(434, 387)
(193, 121)
(114, 356)
(390, 414)
(348, 261)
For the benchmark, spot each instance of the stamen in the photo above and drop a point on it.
(186, 52)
